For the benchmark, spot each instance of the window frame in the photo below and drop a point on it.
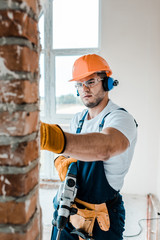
(50, 55)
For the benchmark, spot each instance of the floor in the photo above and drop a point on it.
(135, 206)
(136, 209)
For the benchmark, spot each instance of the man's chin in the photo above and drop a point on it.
(92, 104)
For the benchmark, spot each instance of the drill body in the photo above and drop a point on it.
(65, 197)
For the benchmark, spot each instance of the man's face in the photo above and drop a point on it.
(91, 95)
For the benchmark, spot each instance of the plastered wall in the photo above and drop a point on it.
(130, 41)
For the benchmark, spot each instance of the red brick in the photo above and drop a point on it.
(17, 185)
(30, 234)
(18, 123)
(33, 4)
(19, 117)
(18, 58)
(18, 24)
(23, 155)
(19, 212)
(18, 91)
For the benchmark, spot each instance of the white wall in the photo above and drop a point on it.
(130, 42)
(158, 176)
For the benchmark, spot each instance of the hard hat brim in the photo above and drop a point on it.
(80, 78)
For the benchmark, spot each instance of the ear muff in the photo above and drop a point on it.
(108, 83)
(77, 93)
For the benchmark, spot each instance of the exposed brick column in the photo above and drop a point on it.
(19, 120)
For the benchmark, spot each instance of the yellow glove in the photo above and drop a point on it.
(62, 163)
(52, 138)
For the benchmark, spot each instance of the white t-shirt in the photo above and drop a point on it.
(117, 166)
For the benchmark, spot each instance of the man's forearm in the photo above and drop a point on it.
(88, 147)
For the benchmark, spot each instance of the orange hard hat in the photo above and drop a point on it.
(89, 64)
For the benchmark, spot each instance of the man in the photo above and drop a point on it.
(103, 139)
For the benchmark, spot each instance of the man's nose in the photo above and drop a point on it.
(85, 88)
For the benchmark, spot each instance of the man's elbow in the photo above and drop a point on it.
(105, 154)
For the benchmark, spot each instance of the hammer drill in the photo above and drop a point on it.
(64, 198)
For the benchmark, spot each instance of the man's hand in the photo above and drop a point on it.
(61, 164)
(52, 138)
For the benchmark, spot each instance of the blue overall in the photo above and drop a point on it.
(93, 187)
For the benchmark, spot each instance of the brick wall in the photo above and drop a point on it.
(19, 119)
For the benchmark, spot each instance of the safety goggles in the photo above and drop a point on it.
(90, 83)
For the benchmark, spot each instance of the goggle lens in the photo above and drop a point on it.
(90, 83)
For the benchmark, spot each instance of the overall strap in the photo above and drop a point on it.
(102, 123)
(126, 111)
(80, 124)
(103, 120)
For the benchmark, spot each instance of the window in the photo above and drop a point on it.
(75, 24)
(68, 30)
(66, 100)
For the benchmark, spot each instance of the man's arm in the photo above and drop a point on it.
(85, 147)
(96, 146)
